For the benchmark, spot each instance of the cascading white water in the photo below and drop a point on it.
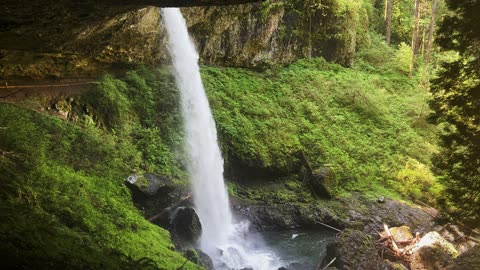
(206, 164)
(223, 240)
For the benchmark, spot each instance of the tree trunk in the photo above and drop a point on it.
(424, 33)
(388, 21)
(416, 18)
(432, 28)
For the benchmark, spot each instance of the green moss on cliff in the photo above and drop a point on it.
(63, 199)
(364, 122)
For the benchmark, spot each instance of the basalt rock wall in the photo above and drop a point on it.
(56, 39)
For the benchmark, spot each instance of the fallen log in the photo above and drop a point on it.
(330, 263)
(168, 209)
(394, 245)
(328, 226)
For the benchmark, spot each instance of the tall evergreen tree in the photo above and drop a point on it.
(456, 102)
(416, 20)
(431, 30)
(388, 20)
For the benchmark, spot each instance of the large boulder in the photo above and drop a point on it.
(151, 193)
(199, 257)
(469, 260)
(432, 252)
(430, 258)
(185, 227)
(323, 182)
(353, 249)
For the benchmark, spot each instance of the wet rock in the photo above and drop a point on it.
(185, 226)
(430, 258)
(199, 257)
(285, 216)
(433, 239)
(356, 211)
(324, 182)
(394, 265)
(151, 193)
(294, 266)
(469, 260)
(205, 260)
(353, 249)
(192, 255)
(432, 252)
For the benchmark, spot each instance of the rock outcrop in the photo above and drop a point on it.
(152, 193)
(71, 39)
(353, 250)
(469, 260)
(185, 226)
(356, 212)
(324, 182)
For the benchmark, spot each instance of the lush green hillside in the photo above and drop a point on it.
(63, 199)
(368, 122)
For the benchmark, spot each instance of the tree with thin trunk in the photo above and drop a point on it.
(430, 33)
(416, 18)
(388, 20)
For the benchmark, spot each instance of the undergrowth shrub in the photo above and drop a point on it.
(63, 202)
(356, 120)
(416, 181)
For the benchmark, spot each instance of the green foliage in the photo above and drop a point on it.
(356, 120)
(416, 181)
(111, 105)
(153, 126)
(456, 101)
(62, 194)
(402, 57)
(329, 28)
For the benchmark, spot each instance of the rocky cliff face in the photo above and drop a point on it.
(278, 32)
(80, 40)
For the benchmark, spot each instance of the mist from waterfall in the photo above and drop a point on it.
(228, 243)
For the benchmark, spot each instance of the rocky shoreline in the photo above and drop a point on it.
(357, 220)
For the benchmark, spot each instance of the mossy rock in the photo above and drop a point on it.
(192, 255)
(354, 249)
(430, 258)
(468, 260)
(185, 226)
(401, 233)
(151, 193)
(323, 182)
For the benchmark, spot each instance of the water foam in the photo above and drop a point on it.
(228, 243)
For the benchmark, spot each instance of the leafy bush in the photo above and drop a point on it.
(416, 181)
(63, 201)
(356, 120)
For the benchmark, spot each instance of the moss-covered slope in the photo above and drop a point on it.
(366, 123)
(63, 200)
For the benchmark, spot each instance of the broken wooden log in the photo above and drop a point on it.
(394, 245)
(330, 263)
(328, 226)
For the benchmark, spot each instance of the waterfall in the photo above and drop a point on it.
(225, 241)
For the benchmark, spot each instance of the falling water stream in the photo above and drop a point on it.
(228, 242)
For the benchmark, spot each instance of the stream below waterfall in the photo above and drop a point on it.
(303, 247)
(229, 243)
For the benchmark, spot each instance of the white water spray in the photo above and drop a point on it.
(223, 240)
